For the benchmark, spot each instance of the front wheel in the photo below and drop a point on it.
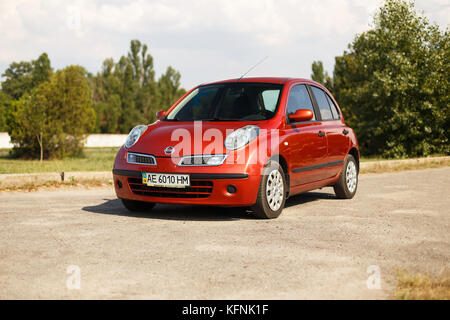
(137, 206)
(272, 192)
(347, 184)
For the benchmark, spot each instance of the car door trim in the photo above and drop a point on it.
(318, 166)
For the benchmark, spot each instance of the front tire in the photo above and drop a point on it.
(272, 192)
(137, 206)
(347, 184)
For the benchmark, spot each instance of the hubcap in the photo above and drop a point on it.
(351, 176)
(275, 190)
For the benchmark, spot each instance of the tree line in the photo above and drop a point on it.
(125, 92)
(47, 112)
(393, 84)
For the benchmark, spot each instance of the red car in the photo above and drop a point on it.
(249, 142)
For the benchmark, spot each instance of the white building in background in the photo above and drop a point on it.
(92, 141)
(5, 141)
(105, 140)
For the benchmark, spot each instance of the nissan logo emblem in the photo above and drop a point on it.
(169, 150)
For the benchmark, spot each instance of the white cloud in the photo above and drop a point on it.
(204, 39)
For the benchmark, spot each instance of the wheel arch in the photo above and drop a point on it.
(283, 163)
(355, 153)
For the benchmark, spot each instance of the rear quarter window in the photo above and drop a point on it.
(334, 109)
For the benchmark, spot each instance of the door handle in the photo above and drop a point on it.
(321, 134)
(345, 131)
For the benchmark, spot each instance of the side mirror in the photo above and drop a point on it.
(160, 114)
(301, 115)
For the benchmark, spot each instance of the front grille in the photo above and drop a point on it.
(139, 158)
(144, 159)
(197, 189)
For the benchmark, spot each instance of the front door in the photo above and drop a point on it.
(305, 144)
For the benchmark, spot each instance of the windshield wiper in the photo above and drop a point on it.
(219, 119)
(209, 119)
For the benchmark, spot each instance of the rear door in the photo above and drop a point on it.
(306, 147)
(334, 129)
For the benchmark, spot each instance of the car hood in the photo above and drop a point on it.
(209, 137)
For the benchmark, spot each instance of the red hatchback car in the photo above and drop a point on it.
(249, 142)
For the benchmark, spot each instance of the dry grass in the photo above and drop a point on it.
(421, 286)
(51, 185)
(384, 167)
(93, 159)
(101, 159)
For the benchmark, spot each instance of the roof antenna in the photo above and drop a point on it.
(253, 67)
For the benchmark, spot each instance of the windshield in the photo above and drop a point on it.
(229, 102)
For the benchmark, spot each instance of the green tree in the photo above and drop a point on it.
(168, 88)
(22, 77)
(53, 119)
(5, 105)
(108, 114)
(30, 126)
(125, 92)
(320, 75)
(18, 79)
(42, 70)
(392, 84)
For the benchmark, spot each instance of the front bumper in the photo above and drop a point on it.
(209, 185)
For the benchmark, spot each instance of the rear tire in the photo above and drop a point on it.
(347, 184)
(137, 206)
(272, 192)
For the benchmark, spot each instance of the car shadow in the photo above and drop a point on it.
(196, 213)
(173, 212)
(308, 197)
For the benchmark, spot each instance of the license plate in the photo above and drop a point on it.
(165, 180)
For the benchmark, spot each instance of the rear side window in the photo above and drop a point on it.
(334, 109)
(322, 102)
(299, 99)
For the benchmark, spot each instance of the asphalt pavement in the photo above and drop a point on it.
(79, 243)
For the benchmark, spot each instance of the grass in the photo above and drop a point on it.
(101, 159)
(421, 286)
(49, 185)
(94, 159)
(375, 158)
(368, 159)
(383, 168)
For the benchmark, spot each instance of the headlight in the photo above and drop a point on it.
(134, 135)
(241, 137)
(202, 160)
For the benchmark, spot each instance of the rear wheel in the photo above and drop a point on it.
(272, 192)
(137, 206)
(347, 184)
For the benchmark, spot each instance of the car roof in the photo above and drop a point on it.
(278, 80)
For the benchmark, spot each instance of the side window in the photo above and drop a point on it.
(299, 99)
(322, 102)
(334, 109)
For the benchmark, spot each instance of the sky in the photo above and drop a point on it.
(205, 40)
